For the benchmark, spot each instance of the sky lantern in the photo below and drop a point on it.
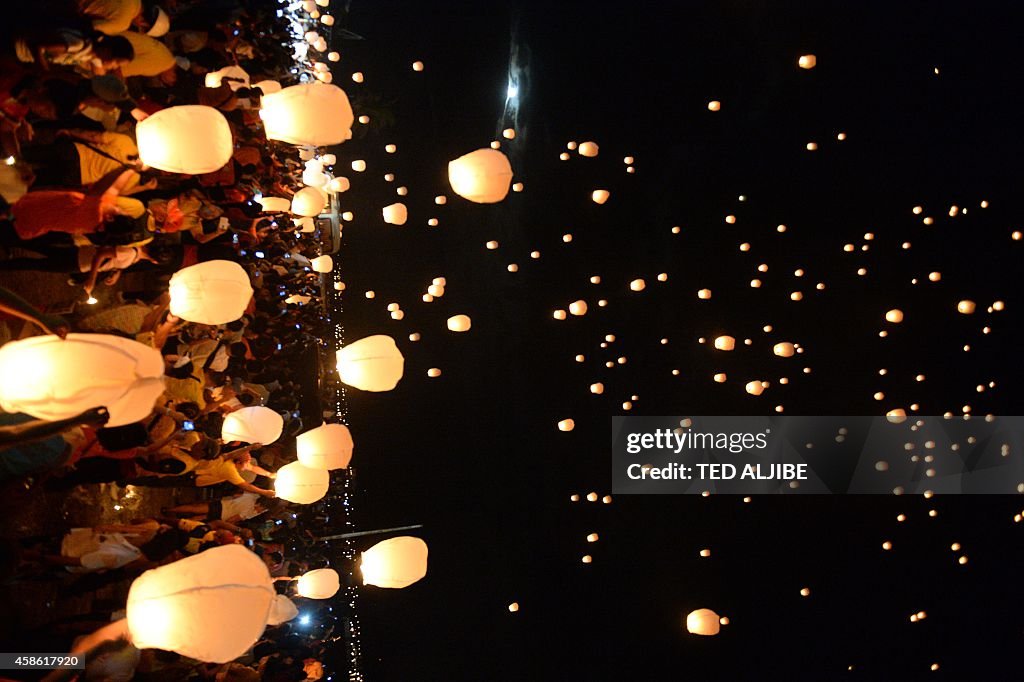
(395, 563)
(966, 307)
(255, 424)
(725, 343)
(417, 66)
(191, 139)
(593, 537)
(703, 622)
(320, 583)
(704, 294)
(328, 446)
(308, 201)
(599, 196)
(513, 607)
(373, 363)
(578, 308)
(807, 61)
(214, 292)
(52, 378)
(459, 323)
(434, 372)
(338, 185)
(212, 606)
(298, 483)
(638, 285)
(784, 349)
(566, 425)
(714, 105)
(314, 114)
(327, 20)
(333, 57)
(282, 610)
(395, 214)
(482, 176)
(895, 316)
(322, 264)
(597, 389)
(509, 133)
(274, 204)
(588, 149)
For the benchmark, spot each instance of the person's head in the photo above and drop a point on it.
(205, 448)
(225, 537)
(113, 51)
(188, 408)
(238, 349)
(247, 399)
(160, 253)
(175, 370)
(211, 424)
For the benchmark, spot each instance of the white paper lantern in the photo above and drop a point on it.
(274, 204)
(252, 425)
(189, 139)
(313, 114)
(703, 622)
(483, 176)
(395, 563)
(320, 583)
(211, 607)
(268, 87)
(333, 56)
(52, 378)
(298, 483)
(214, 292)
(338, 185)
(588, 149)
(309, 202)
(599, 196)
(371, 364)
(306, 225)
(459, 323)
(396, 214)
(282, 610)
(327, 447)
(322, 264)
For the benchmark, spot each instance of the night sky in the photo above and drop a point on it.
(475, 454)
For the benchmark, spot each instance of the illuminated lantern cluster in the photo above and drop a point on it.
(328, 446)
(190, 139)
(211, 607)
(252, 425)
(214, 292)
(313, 114)
(371, 364)
(483, 176)
(298, 483)
(395, 563)
(52, 378)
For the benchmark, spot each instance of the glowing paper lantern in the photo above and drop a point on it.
(417, 66)
(337, 185)
(298, 483)
(566, 425)
(214, 292)
(268, 86)
(599, 196)
(274, 204)
(784, 349)
(52, 378)
(966, 307)
(589, 149)
(895, 316)
(211, 607)
(308, 201)
(483, 176)
(327, 447)
(282, 610)
(190, 139)
(320, 583)
(754, 387)
(252, 425)
(322, 264)
(578, 307)
(314, 114)
(638, 285)
(371, 364)
(395, 563)
(396, 214)
(725, 343)
(459, 323)
(807, 61)
(703, 622)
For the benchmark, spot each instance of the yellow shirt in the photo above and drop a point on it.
(110, 16)
(95, 166)
(218, 470)
(151, 56)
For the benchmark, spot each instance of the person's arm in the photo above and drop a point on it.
(257, 469)
(156, 447)
(250, 488)
(103, 255)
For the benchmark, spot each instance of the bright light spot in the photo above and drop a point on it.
(513, 91)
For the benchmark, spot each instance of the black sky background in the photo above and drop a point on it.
(475, 454)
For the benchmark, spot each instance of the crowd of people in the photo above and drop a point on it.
(76, 76)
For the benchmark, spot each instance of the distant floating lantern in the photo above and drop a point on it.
(578, 307)
(559, 314)
(322, 264)
(333, 56)
(517, 187)
(566, 425)
(357, 77)
(704, 294)
(593, 537)
(588, 149)
(327, 20)
(482, 176)
(311, 114)
(807, 61)
(282, 610)
(371, 364)
(720, 378)
(805, 592)
(190, 139)
(714, 105)
(509, 133)
(435, 290)
(592, 497)
(599, 196)
(320, 583)
(214, 292)
(417, 66)
(338, 185)
(587, 559)
(328, 447)
(513, 607)
(703, 622)
(705, 553)
(212, 606)
(51, 378)
(754, 387)
(966, 307)
(725, 343)
(395, 214)
(812, 146)
(638, 285)
(459, 323)
(784, 349)
(512, 267)
(395, 563)
(895, 316)
(597, 389)
(252, 425)
(309, 202)
(433, 372)
(301, 484)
